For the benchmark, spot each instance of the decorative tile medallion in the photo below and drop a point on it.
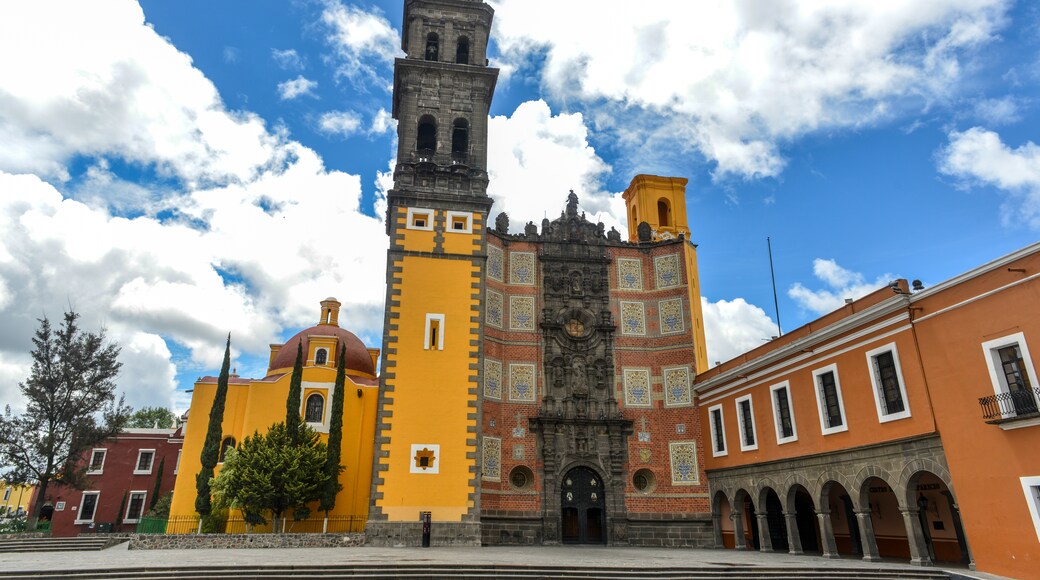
(492, 379)
(645, 455)
(680, 428)
(637, 387)
(493, 313)
(495, 263)
(671, 313)
(492, 465)
(644, 436)
(633, 318)
(630, 274)
(518, 452)
(683, 455)
(426, 458)
(521, 382)
(521, 313)
(666, 271)
(521, 268)
(677, 389)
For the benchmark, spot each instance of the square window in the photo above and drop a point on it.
(419, 219)
(886, 376)
(144, 462)
(97, 461)
(1013, 375)
(829, 400)
(87, 507)
(783, 413)
(460, 222)
(134, 507)
(746, 421)
(718, 431)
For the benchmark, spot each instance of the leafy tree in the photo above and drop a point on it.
(152, 417)
(292, 403)
(211, 447)
(161, 508)
(158, 483)
(70, 408)
(272, 473)
(332, 465)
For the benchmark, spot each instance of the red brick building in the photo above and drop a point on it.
(121, 479)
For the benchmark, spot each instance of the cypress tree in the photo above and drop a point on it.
(158, 484)
(211, 448)
(332, 466)
(292, 404)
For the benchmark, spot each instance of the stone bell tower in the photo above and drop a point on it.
(427, 436)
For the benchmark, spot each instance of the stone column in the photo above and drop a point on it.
(765, 541)
(915, 537)
(866, 535)
(716, 524)
(830, 547)
(738, 530)
(794, 541)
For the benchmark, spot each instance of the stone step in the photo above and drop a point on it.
(55, 545)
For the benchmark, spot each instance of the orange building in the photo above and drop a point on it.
(860, 432)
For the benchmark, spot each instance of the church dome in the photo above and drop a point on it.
(358, 358)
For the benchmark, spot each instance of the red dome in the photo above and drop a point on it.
(357, 358)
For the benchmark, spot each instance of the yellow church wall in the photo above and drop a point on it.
(419, 240)
(463, 243)
(432, 390)
(696, 311)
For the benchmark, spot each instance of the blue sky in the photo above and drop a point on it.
(180, 170)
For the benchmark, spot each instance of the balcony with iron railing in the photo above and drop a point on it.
(1011, 406)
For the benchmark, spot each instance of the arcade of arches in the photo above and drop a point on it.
(878, 503)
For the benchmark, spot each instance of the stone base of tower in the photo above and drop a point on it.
(409, 534)
(660, 530)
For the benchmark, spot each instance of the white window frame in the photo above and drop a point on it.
(129, 500)
(1031, 487)
(875, 382)
(412, 211)
(714, 435)
(820, 404)
(780, 439)
(996, 372)
(324, 408)
(151, 465)
(451, 222)
(104, 456)
(79, 510)
(319, 349)
(177, 466)
(440, 331)
(743, 427)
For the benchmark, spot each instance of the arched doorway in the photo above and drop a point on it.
(582, 508)
(724, 521)
(886, 519)
(939, 518)
(749, 519)
(843, 523)
(800, 502)
(775, 521)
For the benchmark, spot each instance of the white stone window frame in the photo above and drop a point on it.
(875, 382)
(137, 463)
(104, 456)
(82, 500)
(996, 372)
(177, 465)
(440, 331)
(327, 359)
(130, 500)
(326, 392)
(449, 226)
(431, 470)
(780, 439)
(821, 405)
(742, 426)
(1031, 488)
(414, 212)
(715, 434)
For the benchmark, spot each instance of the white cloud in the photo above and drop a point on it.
(735, 80)
(364, 42)
(288, 59)
(296, 87)
(342, 123)
(840, 282)
(1002, 111)
(383, 122)
(733, 327)
(534, 158)
(231, 55)
(980, 156)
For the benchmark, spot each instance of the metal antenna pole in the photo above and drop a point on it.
(772, 276)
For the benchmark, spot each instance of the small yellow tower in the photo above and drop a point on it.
(660, 203)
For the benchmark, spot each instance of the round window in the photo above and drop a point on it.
(644, 480)
(521, 477)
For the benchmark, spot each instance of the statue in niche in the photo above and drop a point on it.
(556, 278)
(576, 285)
(601, 375)
(502, 223)
(644, 232)
(557, 373)
(579, 377)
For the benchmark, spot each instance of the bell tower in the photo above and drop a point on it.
(427, 434)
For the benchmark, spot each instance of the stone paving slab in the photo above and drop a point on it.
(621, 557)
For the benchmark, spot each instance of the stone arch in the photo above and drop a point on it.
(858, 493)
(763, 489)
(821, 490)
(913, 469)
(716, 500)
(790, 490)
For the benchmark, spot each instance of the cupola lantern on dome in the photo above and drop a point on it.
(329, 312)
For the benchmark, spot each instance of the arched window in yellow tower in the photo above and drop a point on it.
(321, 357)
(664, 213)
(635, 216)
(426, 138)
(315, 411)
(227, 443)
(462, 51)
(432, 46)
